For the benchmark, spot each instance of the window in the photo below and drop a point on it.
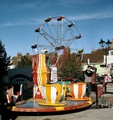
(111, 52)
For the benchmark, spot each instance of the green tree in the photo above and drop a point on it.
(70, 66)
(25, 62)
(4, 61)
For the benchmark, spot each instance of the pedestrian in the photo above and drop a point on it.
(88, 76)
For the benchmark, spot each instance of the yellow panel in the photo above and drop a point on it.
(59, 108)
(44, 70)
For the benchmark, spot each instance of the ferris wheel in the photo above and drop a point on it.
(55, 33)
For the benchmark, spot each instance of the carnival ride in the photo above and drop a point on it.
(49, 95)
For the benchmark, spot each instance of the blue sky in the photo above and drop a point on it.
(20, 18)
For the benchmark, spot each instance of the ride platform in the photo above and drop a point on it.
(40, 106)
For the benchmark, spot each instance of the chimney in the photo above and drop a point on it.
(112, 43)
(19, 55)
(88, 61)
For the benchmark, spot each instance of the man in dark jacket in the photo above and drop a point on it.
(88, 74)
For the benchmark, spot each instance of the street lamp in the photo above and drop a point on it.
(105, 46)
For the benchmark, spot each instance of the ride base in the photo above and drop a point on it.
(53, 97)
(33, 105)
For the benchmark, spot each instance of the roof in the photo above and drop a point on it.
(96, 56)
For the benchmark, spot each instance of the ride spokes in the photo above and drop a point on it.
(55, 32)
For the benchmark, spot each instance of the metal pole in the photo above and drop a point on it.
(106, 67)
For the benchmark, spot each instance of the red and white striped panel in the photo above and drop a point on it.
(41, 72)
(77, 90)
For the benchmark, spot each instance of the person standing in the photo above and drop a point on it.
(88, 76)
